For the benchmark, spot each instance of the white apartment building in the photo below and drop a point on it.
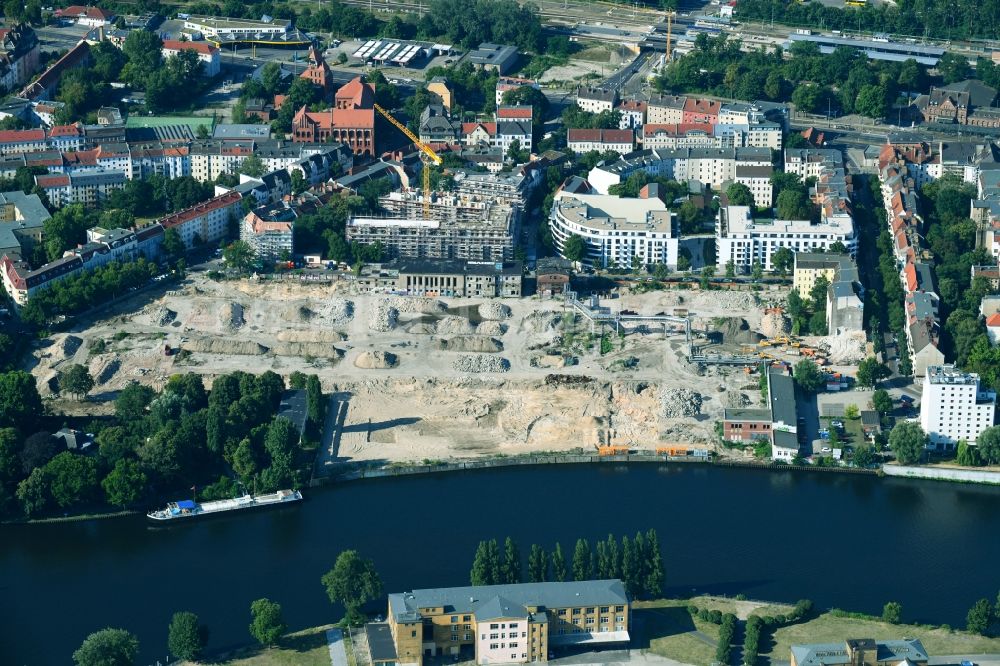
(710, 166)
(596, 100)
(758, 179)
(601, 140)
(88, 186)
(208, 54)
(811, 162)
(742, 239)
(954, 407)
(207, 222)
(616, 229)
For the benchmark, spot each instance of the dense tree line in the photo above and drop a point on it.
(156, 443)
(638, 562)
(842, 82)
(298, 93)
(939, 19)
(324, 230)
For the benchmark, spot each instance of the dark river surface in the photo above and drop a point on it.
(846, 541)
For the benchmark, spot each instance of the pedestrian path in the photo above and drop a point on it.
(338, 652)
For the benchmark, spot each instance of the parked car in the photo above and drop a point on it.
(826, 449)
(837, 424)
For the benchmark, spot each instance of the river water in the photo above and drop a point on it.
(841, 540)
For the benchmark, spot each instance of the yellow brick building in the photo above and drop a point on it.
(502, 623)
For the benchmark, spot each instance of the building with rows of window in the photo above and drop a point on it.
(954, 407)
(503, 623)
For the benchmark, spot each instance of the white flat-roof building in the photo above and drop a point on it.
(234, 30)
(616, 229)
(742, 239)
(954, 407)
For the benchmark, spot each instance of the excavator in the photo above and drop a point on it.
(428, 157)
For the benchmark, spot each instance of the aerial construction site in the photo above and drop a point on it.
(435, 379)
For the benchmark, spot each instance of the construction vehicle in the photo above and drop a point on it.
(764, 343)
(807, 351)
(429, 156)
(612, 450)
(765, 355)
(783, 340)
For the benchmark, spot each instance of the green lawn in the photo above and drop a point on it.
(829, 629)
(303, 648)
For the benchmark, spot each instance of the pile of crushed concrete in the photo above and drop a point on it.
(418, 305)
(339, 311)
(382, 317)
(445, 326)
(494, 311)
(481, 363)
(163, 316)
(491, 328)
(680, 402)
(774, 325)
(376, 360)
(231, 316)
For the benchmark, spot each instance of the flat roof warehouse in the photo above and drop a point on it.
(894, 51)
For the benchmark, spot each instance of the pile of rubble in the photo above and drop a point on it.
(382, 317)
(340, 311)
(376, 360)
(481, 363)
(232, 316)
(163, 316)
(494, 311)
(416, 304)
(491, 328)
(680, 402)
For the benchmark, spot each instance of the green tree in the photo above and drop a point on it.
(908, 441)
(72, 478)
(186, 638)
(538, 564)
(172, 245)
(33, 492)
(132, 401)
(756, 270)
(881, 402)
(559, 572)
(239, 255)
(707, 273)
(107, 647)
(266, 623)
(76, 380)
(808, 376)
(871, 371)
(511, 568)
(653, 583)
(892, 612)
(730, 269)
(793, 205)
(967, 456)
(989, 445)
(353, 582)
(315, 406)
(864, 455)
(782, 260)
(252, 166)
(740, 195)
(486, 565)
(979, 617)
(574, 248)
(872, 101)
(583, 565)
(20, 404)
(125, 484)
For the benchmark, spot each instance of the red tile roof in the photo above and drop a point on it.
(993, 320)
(52, 180)
(22, 136)
(675, 129)
(65, 130)
(89, 12)
(203, 48)
(514, 112)
(469, 128)
(706, 106)
(601, 135)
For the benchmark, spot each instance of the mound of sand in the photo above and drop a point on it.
(472, 343)
(417, 305)
(310, 336)
(548, 361)
(491, 328)
(734, 330)
(316, 349)
(225, 346)
(453, 326)
(774, 325)
(104, 369)
(376, 360)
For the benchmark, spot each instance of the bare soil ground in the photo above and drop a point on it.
(398, 362)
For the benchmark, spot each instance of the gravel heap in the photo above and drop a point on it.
(70, 344)
(452, 326)
(680, 402)
(491, 328)
(376, 360)
(341, 311)
(417, 304)
(383, 317)
(738, 399)
(481, 363)
(494, 311)
(232, 316)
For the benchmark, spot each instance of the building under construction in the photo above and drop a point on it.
(474, 227)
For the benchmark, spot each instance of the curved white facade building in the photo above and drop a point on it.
(616, 229)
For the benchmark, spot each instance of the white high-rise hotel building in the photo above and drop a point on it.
(954, 407)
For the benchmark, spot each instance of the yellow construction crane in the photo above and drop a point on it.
(428, 153)
(670, 25)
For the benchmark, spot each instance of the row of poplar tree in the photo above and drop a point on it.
(636, 561)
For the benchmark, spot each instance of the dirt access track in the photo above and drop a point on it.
(421, 378)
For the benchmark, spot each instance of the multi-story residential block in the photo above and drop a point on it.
(22, 282)
(633, 114)
(22, 141)
(477, 228)
(438, 87)
(509, 131)
(516, 623)
(87, 186)
(45, 85)
(268, 230)
(207, 222)
(845, 294)
(19, 55)
(672, 137)
(596, 100)
(701, 111)
(665, 110)
(743, 240)
(954, 406)
(208, 54)
(758, 179)
(436, 125)
(810, 162)
(709, 166)
(22, 217)
(615, 229)
(860, 652)
(601, 140)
